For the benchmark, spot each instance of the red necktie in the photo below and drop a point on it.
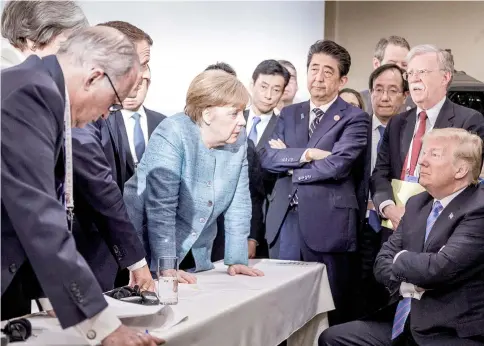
(416, 145)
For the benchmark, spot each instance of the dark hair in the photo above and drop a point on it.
(286, 64)
(222, 66)
(273, 68)
(354, 92)
(134, 33)
(381, 46)
(379, 71)
(335, 51)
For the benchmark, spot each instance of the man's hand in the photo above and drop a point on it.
(277, 144)
(252, 246)
(124, 336)
(142, 278)
(186, 278)
(244, 270)
(313, 154)
(394, 214)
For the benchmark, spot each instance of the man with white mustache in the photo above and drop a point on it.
(429, 74)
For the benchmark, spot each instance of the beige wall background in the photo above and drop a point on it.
(358, 25)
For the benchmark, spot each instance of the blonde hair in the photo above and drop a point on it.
(214, 88)
(468, 147)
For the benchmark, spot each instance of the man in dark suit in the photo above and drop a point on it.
(388, 92)
(136, 124)
(429, 73)
(313, 211)
(269, 80)
(41, 100)
(104, 234)
(389, 50)
(433, 265)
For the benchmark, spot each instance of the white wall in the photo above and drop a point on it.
(188, 36)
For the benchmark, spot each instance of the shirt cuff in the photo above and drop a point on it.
(398, 254)
(137, 265)
(98, 327)
(383, 205)
(45, 303)
(303, 157)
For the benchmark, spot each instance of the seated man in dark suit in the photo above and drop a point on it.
(433, 265)
(41, 100)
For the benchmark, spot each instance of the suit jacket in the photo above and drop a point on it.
(153, 118)
(180, 188)
(103, 231)
(34, 224)
(328, 205)
(365, 94)
(398, 136)
(449, 266)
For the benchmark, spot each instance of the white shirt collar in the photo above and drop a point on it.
(446, 200)
(127, 114)
(376, 122)
(264, 118)
(325, 107)
(433, 113)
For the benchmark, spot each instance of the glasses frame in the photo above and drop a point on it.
(115, 106)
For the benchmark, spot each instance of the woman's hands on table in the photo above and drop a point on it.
(186, 278)
(244, 270)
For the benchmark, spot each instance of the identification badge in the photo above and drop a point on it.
(411, 179)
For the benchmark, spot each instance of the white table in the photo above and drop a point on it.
(290, 302)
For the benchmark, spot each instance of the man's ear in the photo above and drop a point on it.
(94, 77)
(376, 63)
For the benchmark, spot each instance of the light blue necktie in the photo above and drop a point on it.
(139, 138)
(373, 219)
(253, 130)
(403, 308)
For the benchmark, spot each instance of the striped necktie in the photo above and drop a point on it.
(319, 115)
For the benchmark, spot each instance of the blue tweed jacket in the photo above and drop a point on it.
(180, 188)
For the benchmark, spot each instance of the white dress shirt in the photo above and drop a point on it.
(261, 126)
(408, 290)
(432, 114)
(129, 123)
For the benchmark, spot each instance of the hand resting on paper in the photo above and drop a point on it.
(142, 277)
(244, 270)
(124, 336)
(394, 214)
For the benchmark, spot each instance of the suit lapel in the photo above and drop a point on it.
(267, 132)
(52, 65)
(151, 123)
(301, 124)
(446, 116)
(416, 227)
(124, 137)
(448, 217)
(406, 135)
(332, 116)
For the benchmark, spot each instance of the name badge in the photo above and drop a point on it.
(411, 179)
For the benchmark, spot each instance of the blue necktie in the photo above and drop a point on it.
(253, 130)
(373, 219)
(139, 138)
(403, 308)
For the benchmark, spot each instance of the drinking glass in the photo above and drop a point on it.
(168, 280)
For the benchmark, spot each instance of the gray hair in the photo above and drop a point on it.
(40, 21)
(468, 148)
(445, 58)
(103, 47)
(382, 45)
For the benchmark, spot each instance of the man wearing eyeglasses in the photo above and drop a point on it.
(429, 73)
(388, 91)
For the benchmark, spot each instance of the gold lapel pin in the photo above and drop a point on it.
(336, 117)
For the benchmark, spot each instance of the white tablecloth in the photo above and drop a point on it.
(289, 302)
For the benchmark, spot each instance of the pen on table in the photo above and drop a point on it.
(146, 332)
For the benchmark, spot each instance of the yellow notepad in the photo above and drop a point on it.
(402, 191)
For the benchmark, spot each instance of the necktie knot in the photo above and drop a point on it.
(437, 208)
(381, 129)
(136, 116)
(422, 116)
(318, 112)
(256, 120)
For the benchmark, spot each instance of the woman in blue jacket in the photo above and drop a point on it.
(193, 170)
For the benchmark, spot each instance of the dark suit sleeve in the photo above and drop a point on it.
(463, 253)
(475, 124)
(257, 194)
(92, 172)
(280, 160)
(384, 260)
(29, 197)
(381, 179)
(345, 152)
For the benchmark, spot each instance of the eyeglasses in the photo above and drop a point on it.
(115, 106)
(390, 92)
(417, 73)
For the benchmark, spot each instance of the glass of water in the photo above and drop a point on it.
(168, 280)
